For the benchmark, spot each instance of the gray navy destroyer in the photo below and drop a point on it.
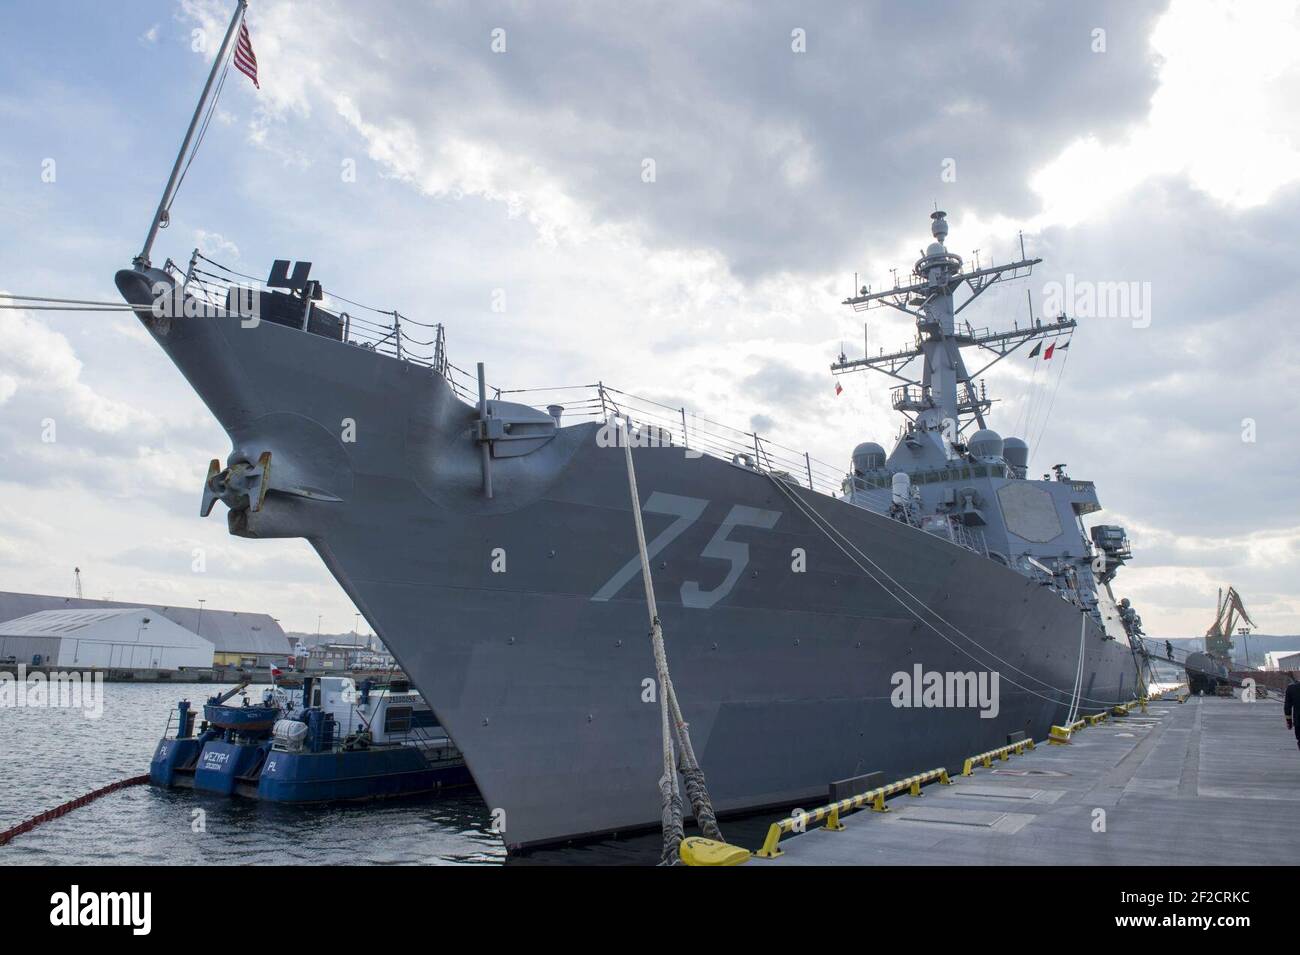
(490, 543)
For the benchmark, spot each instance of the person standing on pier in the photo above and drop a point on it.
(1291, 706)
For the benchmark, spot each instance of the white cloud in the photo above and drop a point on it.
(460, 167)
(1177, 572)
(43, 362)
(1225, 115)
(214, 244)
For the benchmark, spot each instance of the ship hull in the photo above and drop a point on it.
(1205, 673)
(522, 620)
(788, 682)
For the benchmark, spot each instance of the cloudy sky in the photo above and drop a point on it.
(1156, 144)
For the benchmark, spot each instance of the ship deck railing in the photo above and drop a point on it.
(972, 538)
(386, 332)
(652, 420)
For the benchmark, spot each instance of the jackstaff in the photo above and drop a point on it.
(218, 64)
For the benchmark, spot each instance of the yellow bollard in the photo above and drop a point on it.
(769, 849)
(696, 850)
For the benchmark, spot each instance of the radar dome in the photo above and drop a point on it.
(938, 225)
(986, 444)
(868, 456)
(935, 248)
(1016, 452)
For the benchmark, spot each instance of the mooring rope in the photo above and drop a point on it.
(1143, 681)
(66, 308)
(41, 303)
(34, 303)
(697, 791)
(62, 301)
(672, 724)
(670, 798)
(1078, 676)
(29, 824)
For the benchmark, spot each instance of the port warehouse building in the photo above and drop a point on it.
(237, 638)
(133, 638)
(1282, 660)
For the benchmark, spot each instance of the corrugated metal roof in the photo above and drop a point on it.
(86, 626)
(229, 631)
(53, 623)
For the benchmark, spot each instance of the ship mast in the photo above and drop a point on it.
(946, 390)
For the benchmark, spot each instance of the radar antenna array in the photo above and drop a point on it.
(938, 274)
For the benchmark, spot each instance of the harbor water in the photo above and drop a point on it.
(50, 755)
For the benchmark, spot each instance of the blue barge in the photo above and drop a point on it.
(329, 741)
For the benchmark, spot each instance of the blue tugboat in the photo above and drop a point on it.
(329, 741)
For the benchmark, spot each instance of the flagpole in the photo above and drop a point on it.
(142, 260)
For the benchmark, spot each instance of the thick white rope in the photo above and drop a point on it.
(671, 799)
(63, 301)
(67, 308)
(1078, 676)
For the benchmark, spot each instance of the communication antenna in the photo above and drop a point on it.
(76, 572)
(946, 389)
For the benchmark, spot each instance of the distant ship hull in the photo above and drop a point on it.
(1205, 673)
(537, 668)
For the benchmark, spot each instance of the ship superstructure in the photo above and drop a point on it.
(953, 476)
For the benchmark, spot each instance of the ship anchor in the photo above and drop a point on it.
(241, 485)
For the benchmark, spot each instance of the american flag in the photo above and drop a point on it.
(245, 58)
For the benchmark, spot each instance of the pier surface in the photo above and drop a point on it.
(1210, 781)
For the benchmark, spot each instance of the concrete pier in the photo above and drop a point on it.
(1209, 781)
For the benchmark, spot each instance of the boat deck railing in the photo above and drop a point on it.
(438, 747)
